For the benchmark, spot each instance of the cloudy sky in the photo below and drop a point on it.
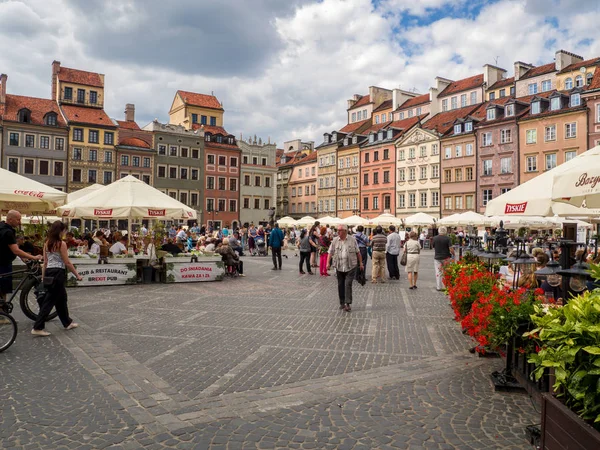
(282, 68)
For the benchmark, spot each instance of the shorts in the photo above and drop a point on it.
(6, 282)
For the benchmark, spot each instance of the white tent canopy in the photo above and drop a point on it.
(26, 195)
(329, 220)
(354, 221)
(83, 192)
(127, 198)
(535, 197)
(581, 183)
(466, 219)
(286, 221)
(385, 220)
(306, 221)
(419, 220)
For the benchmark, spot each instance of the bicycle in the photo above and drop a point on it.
(32, 292)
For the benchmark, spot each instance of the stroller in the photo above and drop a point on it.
(260, 246)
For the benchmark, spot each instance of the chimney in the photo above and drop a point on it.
(3, 79)
(55, 70)
(433, 102)
(353, 100)
(492, 74)
(562, 59)
(442, 83)
(520, 69)
(399, 96)
(130, 112)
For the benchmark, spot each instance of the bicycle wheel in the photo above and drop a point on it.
(30, 299)
(8, 331)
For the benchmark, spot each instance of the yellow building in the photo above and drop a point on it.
(92, 134)
(327, 173)
(348, 171)
(193, 110)
(578, 74)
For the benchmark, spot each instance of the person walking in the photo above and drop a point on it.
(378, 244)
(345, 257)
(56, 259)
(324, 244)
(392, 250)
(422, 238)
(363, 242)
(443, 252)
(306, 245)
(314, 237)
(276, 242)
(413, 250)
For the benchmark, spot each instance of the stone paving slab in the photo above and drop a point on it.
(266, 361)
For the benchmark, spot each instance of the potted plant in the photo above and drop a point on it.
(568, 340)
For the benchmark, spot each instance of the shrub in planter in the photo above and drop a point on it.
(569, 341)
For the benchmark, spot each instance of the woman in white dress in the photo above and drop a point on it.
(413, 250)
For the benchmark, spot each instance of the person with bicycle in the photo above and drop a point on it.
(56, 260)
(9, 250)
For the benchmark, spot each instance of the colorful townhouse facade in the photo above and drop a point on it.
(327, 173)
(135, 150)
(302, 186)
(34, 138)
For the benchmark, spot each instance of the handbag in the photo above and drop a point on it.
(48, 281)
(404, 258)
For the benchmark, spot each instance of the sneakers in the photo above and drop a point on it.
(241, 275)
(39, 332)
(72, 325)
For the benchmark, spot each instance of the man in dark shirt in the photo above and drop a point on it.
(443, 251)
(171, 248)
(25, 244)
(9, 250)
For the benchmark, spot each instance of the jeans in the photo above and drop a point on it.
(345, 280)
(439, 276)
(56, 297)
(392, 264)
(276, 254)
(378, 266)
(305, 256)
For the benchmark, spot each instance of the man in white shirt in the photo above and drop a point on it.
(144, 231)
(392, 250)
(422, 238)
(181, 235)
(120, 247)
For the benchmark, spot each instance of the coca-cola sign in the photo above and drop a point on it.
(515, 208)
(103, 212)
(584, 181)
(156, 213)
(36, 194)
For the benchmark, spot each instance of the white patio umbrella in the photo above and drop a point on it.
(127, 198)
(449, 220)
(385, 220)
(514, 222)
(539, 197)
(329, 220)
(580, 185)
(82, 192)
(465, 219)
(26, 195)
(286, 221)
(355, 220)
(306, 221)
(419, 220)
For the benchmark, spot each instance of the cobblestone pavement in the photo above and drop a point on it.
(266, 361)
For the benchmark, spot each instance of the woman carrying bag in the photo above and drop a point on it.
(56, 259)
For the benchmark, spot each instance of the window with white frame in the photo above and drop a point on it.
(506, 165)
(570, 155)
(411, 153)
(578, 81)
(435, 150)
(535, 107)
(546, 85)
(457, 128)
(412, 174)
(473, 97)
(569, 83)
(435, 199)
(445, 104)
(532, 88)
(401, 115)
(463, 100)
(550, 161)
(453, 103)
(487, 167)
(377, 118)
(422, 151)
(448, 152)
(435, 171)
(505, 136)
(401, 201)
(469, 150)
(469, 173)
(347, 204)
(341, 204)
(571, 130)
(531, 163)
(531, 136)
(423, 173)
(468, 126)
(458, 202)
(486, 139)
(423, 199)
(458, 151)
(447, 202)
(401, 155)
(458, 174)
(487, 196)
(469, 203)
(575, 99)
(550, 133)
(504, 190)
(412, 200)
(509, 110)
(375, 202)
(555, 103)
(491, 114)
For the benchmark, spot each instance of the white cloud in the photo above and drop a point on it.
(323, 52)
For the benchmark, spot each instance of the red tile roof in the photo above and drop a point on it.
(444, 121)
(201, 100)
(134, 142)
(80, 77)
(354, 126)
(376, 127)
(418, 100)
(39, 107)
(405, 124)
(129, 125)
(527, 114)
(540, 70)
(385, 105)
(311, 157)
(502, 83)
(595, 84)
(93, 116)
(578, 65)
(462, 85)
(364, 100)
(211, 129)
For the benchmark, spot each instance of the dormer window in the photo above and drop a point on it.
(371, 138)
(207, 137)
(509, 110)
(468, 126)
(578, 81)
(346, 141)
(24, 116)
(535, 107)
(219, 138)
(326, 138)
(555, 104)
(457, 128)
(334, 137)
(588, 78)
(50, 119)
(389, 134)
(575, 99)
(354, 139)
(380, 136)
(491, 114)
(569, 83)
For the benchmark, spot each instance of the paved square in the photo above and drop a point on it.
(266, 361)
